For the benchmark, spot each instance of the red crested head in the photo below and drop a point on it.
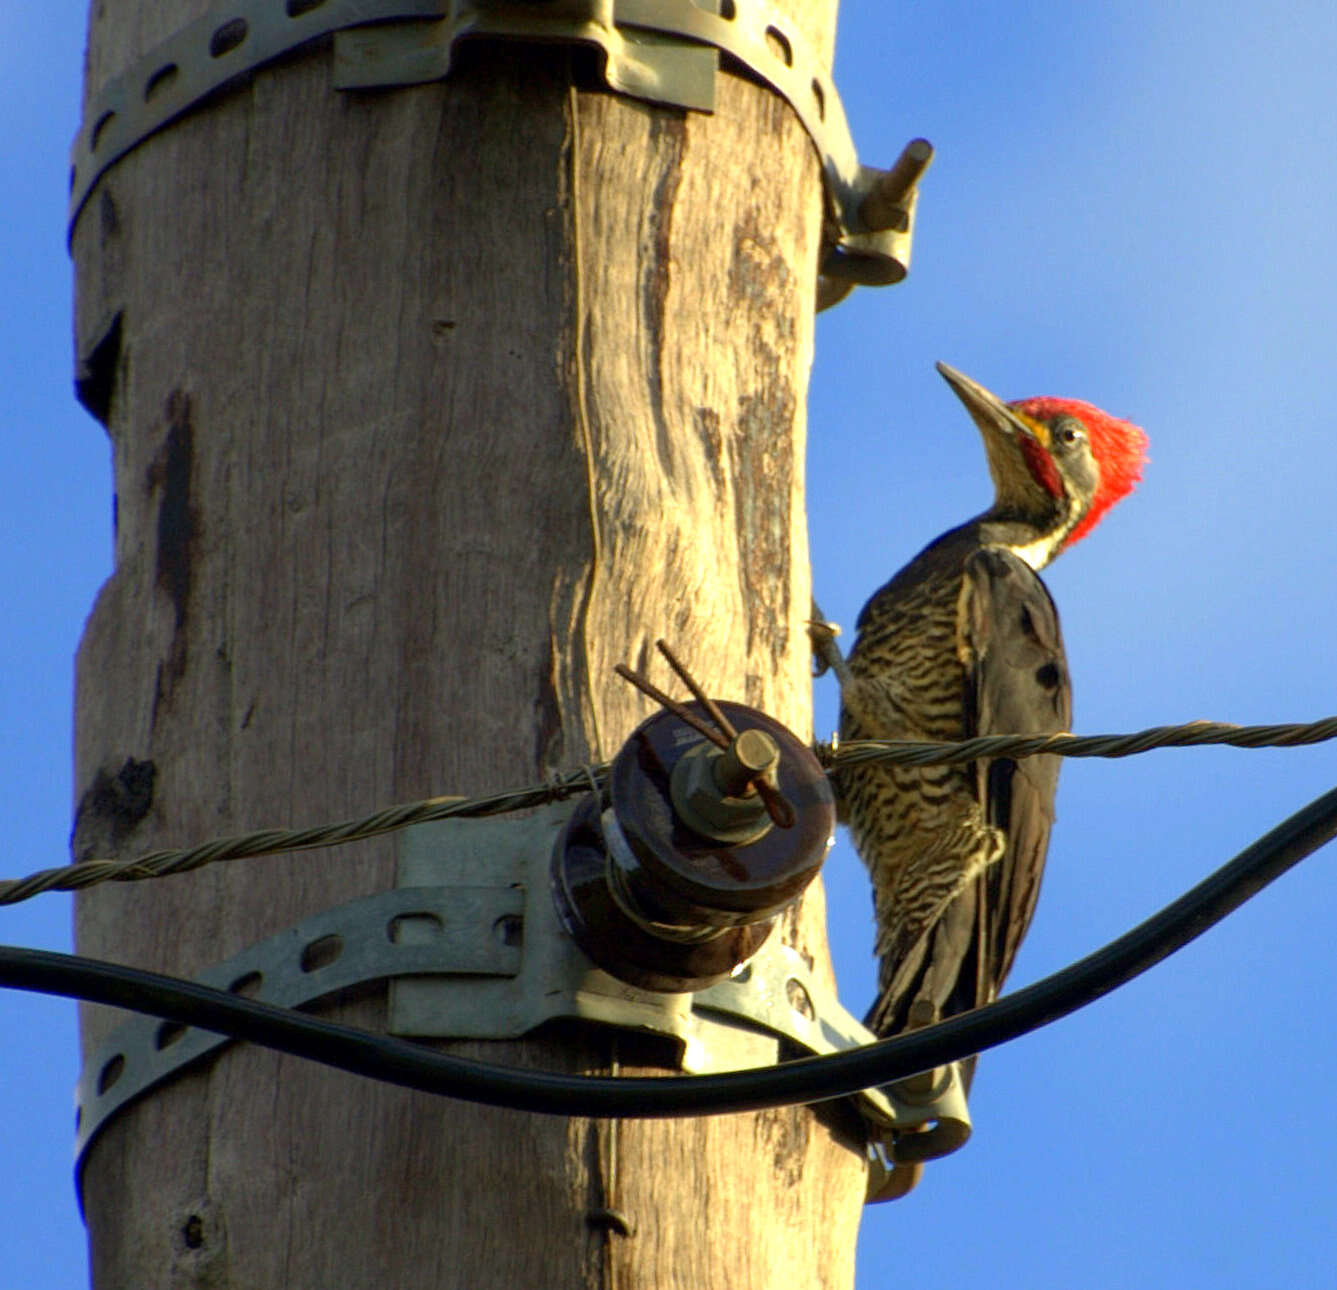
(1057, 464)
(1118, 447)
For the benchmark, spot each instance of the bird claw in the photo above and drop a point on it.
(826, 654)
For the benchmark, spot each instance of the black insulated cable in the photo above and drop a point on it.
(810, 1079)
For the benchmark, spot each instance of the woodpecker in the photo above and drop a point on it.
(965, 641)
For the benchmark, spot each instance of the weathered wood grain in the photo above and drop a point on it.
(427, 407)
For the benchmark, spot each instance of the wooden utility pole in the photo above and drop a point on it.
(428, 406)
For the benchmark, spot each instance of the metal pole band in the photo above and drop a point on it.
(664, 51)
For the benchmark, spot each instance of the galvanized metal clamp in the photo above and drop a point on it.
(664, 51)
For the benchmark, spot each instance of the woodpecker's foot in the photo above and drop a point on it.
(826, 655)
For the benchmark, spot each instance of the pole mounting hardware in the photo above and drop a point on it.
(472, 947)
(771, 1007)
(713, 820)
(663, 51)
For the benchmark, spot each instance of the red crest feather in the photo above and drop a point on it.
(1119, 447)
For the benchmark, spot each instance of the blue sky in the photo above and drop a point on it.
(1130, 205)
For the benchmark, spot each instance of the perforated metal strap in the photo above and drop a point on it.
(229, 41)
(665, 51)
(458, 929)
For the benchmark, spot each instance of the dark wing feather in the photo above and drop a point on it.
(1017, 683)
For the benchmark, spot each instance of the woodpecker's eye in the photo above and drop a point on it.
(1069, 432)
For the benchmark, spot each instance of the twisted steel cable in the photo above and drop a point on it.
(161, 864)
(263, 842)
(1189, 735)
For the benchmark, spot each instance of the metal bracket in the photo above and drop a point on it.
(736, 1024)
(664, 51)
(645, 60)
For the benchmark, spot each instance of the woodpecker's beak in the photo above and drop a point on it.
(993, 417)
(1005, 433)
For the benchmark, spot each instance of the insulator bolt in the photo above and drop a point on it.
(750, 755)
(712, 788)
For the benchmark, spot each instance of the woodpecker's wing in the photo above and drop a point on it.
(1016, 683)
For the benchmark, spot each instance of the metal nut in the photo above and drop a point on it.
(706, 807)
